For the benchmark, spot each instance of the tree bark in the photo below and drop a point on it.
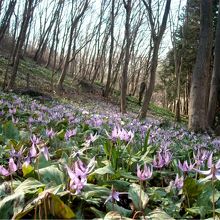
(157, 37)
(74, 23)
(107, 87)
(28, 13)
(7, 17)
(124, 76)
(214, 97)
(198, 92)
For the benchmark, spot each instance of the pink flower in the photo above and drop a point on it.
(12, 168)
(144, 174)
(214, 170)
(70, 133)
(185, 167)
(78, 174)
(178, 182)
(114, 195)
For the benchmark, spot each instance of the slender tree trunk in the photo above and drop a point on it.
(124, 76)
(150, 89)
(198, 92)
(7, 17)
(28, 13)
(157, 37)
(107, 87)
(74, 24)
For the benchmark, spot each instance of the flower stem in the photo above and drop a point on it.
(141, 183)
(11, 180)
(213, 198)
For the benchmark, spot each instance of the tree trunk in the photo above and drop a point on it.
(157, 37)
(107, 87)
(214, 98)
(74, 24)
(198, 92)
(124, 76)
(150, 89)
(7, 17)
(28, 13)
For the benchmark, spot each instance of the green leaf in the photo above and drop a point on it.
(104, 170)
(119, 185)
(159, 214)
(127, 175)
(30, 186)
(201, 210)
(146, 140)
(11, 204)
(58, 209)
(98, 213)
(119, 209)
(112, 215)
(27, 169)
(138, 196)
(91, 191)
(51, 174)
(42, 197)
(192, 189)
(10, 131)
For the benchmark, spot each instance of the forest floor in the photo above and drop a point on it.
(38, 78)
(50, 141)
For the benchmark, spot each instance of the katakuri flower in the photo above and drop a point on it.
(12, 168)
(214, 170)
(144, 174)
(78, 174)
(114, 196)
(185, 167)
(178, 182)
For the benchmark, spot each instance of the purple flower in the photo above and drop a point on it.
(12, 168)
(158, 161)
(18, 156)
(178, 182)
(185, 167)
(201, 156)
(144, 174)
(167, 156)
(121, 134)
(216, 144)
(35, 140)
(70, 133)
(162, 158)
(78, 174)
(14, 120)
(12, 111)
(92, 138)
(214, 169)
(45, 152)
(50, 133)
(114, 196)
(33, 151)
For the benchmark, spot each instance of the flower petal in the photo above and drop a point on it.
(3, 171)
(204, 172)
(12, 165)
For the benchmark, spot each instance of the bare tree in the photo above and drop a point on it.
(7, 17)
(28, 13)
(156, 39)
(124, 76)
(74, 23)
(107, 87)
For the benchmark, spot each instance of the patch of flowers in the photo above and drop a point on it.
(60, 160)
